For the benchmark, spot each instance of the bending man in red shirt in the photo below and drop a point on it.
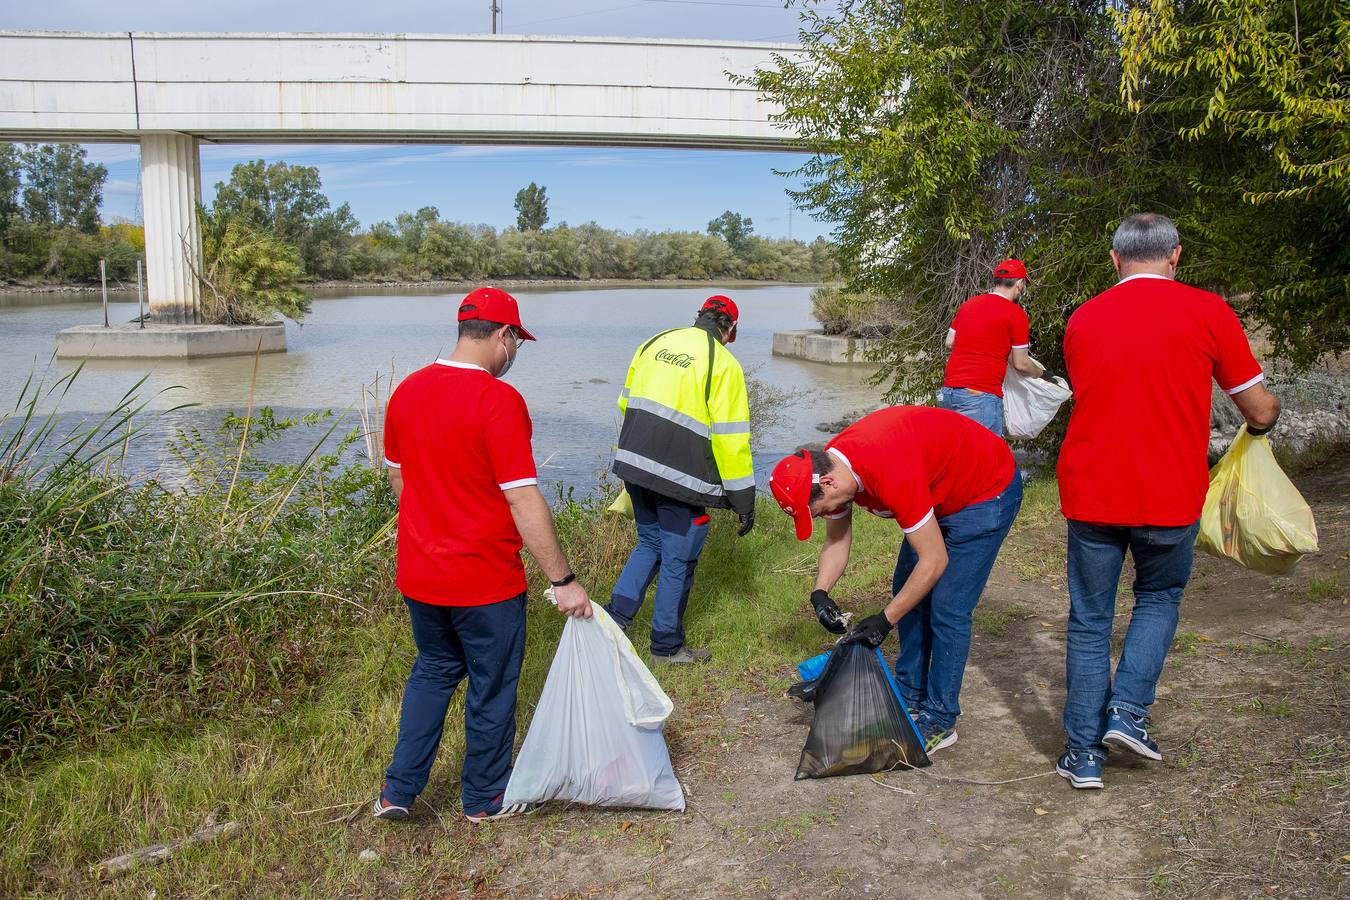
(952, 487)
(457, 448)
(1133, 474)
(989, 333)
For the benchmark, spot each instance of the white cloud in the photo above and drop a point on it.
(607, 160)
(112, 154)
(121, 186)
(364, 185)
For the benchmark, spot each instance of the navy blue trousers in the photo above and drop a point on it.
(486, 644)
(670, 538)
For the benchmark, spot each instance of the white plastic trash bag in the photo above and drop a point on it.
(596, 737)
(1030, 403)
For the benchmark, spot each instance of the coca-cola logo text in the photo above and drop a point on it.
(675, 359)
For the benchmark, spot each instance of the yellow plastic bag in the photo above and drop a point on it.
(623, 505)
(1253, 514)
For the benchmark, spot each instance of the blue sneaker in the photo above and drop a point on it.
(934, 736)
(1083, 768)
(1129, 732)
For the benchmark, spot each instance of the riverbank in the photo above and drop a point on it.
(447, 285)
(280, 703)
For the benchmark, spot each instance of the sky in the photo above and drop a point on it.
(627, 189)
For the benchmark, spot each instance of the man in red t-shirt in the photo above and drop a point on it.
(457, 448)
(952, 487)
(989, 333)
(1133, 476)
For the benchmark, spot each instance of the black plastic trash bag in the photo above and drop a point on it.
(860, 726)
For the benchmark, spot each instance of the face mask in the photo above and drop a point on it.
(510, 359)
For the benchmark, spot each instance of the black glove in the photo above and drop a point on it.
(747, 522)
(870, 631)
(827, 612)
(1047, 375)
(1257, 432)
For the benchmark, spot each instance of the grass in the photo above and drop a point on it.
(129, 605)
(329, 746)
(995, 622)
(1314, 455)
(234, 676)
(1040, 505)
(1324, 587)
(1189, 641)
(794, 826)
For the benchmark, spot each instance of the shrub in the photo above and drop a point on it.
(247, 275)
(854, 314)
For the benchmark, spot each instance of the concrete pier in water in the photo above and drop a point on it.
(157, 341)
(816, 346)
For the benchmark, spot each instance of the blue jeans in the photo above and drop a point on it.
(670, 537)
(486, 643)
(987, 409)
(935, 634)
(1162, 564)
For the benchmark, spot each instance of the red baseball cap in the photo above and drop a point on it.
(724, 304)
(1010, 268)
(493, 305)
(791, 483)
(721, 303)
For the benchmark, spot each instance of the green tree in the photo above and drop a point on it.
(287, 201)
(411, 228)
(1267, 85)
(61, 187)
(957, 134)
(11, 177)
(449, 250)
(733, 228)
(531, 208)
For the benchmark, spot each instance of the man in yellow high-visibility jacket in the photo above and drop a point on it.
(684, 447)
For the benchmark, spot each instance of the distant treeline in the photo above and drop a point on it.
(421, 246)
(50, 230)
(49, 223)
(287, 202)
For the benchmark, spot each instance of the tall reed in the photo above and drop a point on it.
(127, 604)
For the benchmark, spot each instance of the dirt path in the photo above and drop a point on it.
(1251, 799)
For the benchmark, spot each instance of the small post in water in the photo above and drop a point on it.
(140, 294)
(103, 279)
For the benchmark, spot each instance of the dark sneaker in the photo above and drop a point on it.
(934, 736)
(1081, 767)
(1129, 732)
(502, 812)
(383, 809)
(684, 656)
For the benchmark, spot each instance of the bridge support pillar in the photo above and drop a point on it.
(170, 191)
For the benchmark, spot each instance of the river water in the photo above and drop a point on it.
(570, 378)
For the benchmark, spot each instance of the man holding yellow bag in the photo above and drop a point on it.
(1133, 475)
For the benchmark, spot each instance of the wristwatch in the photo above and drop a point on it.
(565, 580)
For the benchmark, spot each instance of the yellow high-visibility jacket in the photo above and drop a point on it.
(686, 422)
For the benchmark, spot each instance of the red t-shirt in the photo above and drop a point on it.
(1140, 357)
(915, 462)
(988, 327)
(460, 437)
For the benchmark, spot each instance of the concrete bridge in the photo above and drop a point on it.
(171, 92)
